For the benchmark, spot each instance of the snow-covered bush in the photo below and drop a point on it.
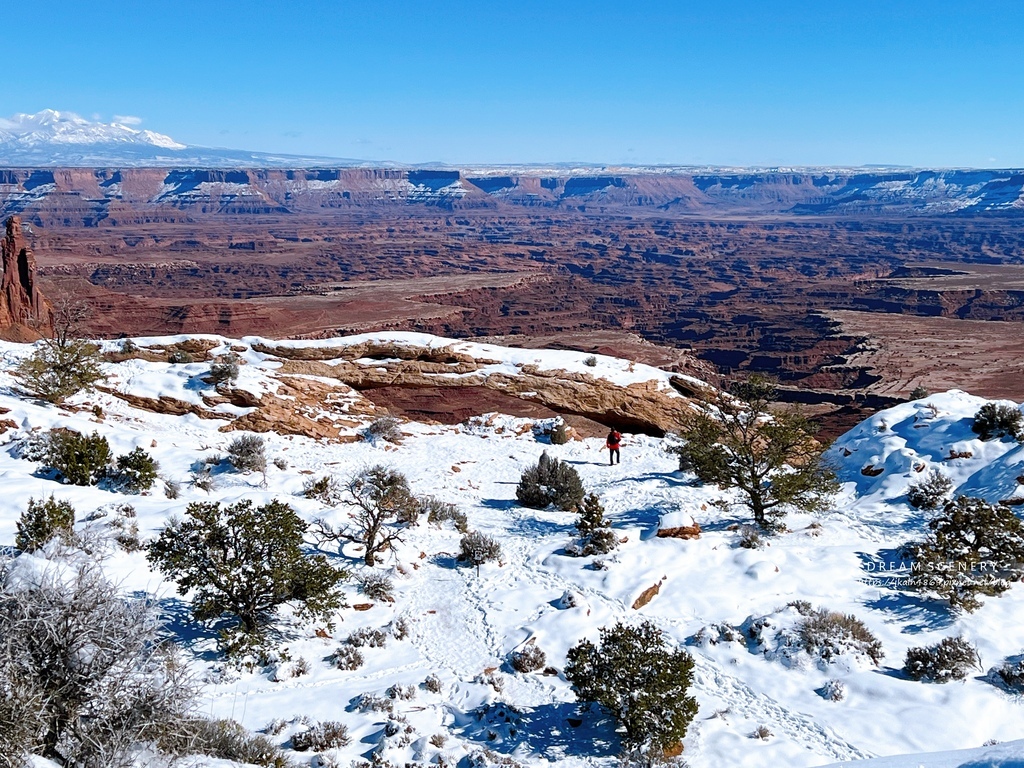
(347, 657)
(85, 677)
(401, 692)
(596, 536)
(78, 459)
(222, 739)
(264, 568)
(750, 537)
(35, 446)
(225, 368)
(548, 482)
(833, 690)
(322, 736)
(44, 520)
(433, 684)
(180, 357)
(386, 428)
(634, 674)
(371, 638)
(1010, 674)
(248, 454)
(590, 361)
(952, 658)
(439, 512)
(930, 492)
(377, 586)
(324, 489)
(528, 659)
(829, 634)
(973, 548)
(477, 548)
(998, 420)
(134, 472)
(126, 528)
(560, 434)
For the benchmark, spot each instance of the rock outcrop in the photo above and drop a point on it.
(642, 406)
(25, 315)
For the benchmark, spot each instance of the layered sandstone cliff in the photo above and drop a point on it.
(24, 312)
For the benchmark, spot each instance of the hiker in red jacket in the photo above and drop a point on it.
(612, 444)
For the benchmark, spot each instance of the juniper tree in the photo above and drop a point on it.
(42, 521)
(548, 482)
(998, 420)
(634, 674)
(973, 548)
(596, 537)
(80, 459)
(771, 457)
(241, 563)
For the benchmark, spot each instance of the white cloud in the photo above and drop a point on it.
(127, 119)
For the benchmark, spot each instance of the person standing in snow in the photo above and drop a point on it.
(612, 444)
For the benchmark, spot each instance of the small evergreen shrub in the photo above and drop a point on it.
(322, 736)
(952, 658)
(931, 492)
(973, 548)
(642, 682)
(224, 369)
(42, 521)
(180, 357)
(590, 361)
(560, 434)
(134, 472)
(79, 459)
(528, 659)
(386, 428)
(998, 420)
(1011, 673)
(35, 446)
(324, 489)
(478, 548)
(549, 482)
(919, 393)
(596, 536)
(248, 454)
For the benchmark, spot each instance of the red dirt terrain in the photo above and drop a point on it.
(745, 273)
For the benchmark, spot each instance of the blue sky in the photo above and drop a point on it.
(747, 82)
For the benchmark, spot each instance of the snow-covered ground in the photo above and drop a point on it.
(462, 625)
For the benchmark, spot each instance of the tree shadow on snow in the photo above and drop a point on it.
(555, 731)
(189, 633)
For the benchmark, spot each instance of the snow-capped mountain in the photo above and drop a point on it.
(51, 138)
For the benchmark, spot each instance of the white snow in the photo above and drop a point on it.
(463, 624)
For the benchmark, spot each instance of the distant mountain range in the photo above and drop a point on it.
(63, 139)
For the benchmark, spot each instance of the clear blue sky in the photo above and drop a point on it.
(912, 82)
